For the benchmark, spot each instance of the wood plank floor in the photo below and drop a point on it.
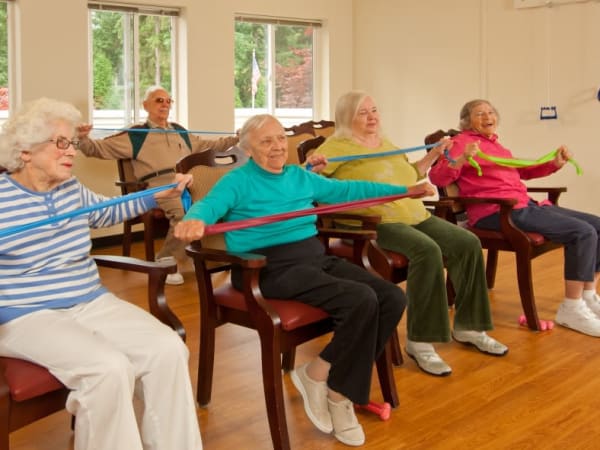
(545, 394)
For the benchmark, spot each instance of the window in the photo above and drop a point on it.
(274, 69)
(133, 48)
(4, 62)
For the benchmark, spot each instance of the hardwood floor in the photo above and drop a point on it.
(544, 394)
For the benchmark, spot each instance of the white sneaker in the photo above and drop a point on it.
(346, 428)
(173, 279)
(314, 396)
(480, 339)
(427, 359)
(578, 317)
(593, 303)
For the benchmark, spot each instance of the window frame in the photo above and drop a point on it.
(272, 108)
(133, 111)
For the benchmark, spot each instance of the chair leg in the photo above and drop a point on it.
(4, 425)
(490, 268)
(288, 360)
(206, 362)
(148, 236)
(126, 238)
(385, 373)
(273, 388)
(397, 358)
(524, 278)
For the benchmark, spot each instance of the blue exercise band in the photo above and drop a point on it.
(377, 154)
(77, 212)
(163, 130)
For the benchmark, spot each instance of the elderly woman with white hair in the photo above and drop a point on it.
(578, 231)
(55, 312)
(407, 227)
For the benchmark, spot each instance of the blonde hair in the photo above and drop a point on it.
(345, 111)
(32, 124)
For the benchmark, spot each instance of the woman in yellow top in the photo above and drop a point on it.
(407, 227)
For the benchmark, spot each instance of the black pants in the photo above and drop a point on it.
(365, 308)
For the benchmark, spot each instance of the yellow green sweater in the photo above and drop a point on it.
(388, 169)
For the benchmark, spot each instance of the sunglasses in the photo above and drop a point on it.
(168, 101)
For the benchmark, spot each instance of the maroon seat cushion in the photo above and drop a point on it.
(293, 314)
(27, 380)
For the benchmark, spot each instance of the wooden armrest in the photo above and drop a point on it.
(441, 208)
(132, 185)
(368, 222)
(480, 200)
(552, 192)
(245, 260)
(340, 233)
(157, 274)
(135, 264)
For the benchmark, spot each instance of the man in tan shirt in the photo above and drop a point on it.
(154, 155)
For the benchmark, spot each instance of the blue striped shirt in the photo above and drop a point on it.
(50, 266)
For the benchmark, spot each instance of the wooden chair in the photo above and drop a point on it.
(154, 222)
(281, 325)
(296, 135)
(525, 245)
(323, 128)
(29, 392)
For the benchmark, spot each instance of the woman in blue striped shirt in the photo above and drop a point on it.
(54, 310)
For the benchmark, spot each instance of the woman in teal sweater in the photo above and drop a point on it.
(365, 308)
(408, 228)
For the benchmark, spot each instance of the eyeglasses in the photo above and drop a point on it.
(168, 101)
(63, 143)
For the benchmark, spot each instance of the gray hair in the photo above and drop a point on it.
(151, 90)
(32, 124)
(345, 111)
(253, 123)
(465, 113)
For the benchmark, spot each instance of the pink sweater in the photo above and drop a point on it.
(496, 181)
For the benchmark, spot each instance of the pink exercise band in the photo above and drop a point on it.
(222, 227)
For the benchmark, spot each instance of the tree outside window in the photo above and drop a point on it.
(4, 103)
(131, 51)
(273, 70)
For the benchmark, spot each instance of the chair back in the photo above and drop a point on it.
(294, 140)
(207, 168)
(323, 128)
(308, 146)
(127, 179)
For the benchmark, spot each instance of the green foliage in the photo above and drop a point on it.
(249, 37)
(111, 31)
(293, 65)
(3, 58)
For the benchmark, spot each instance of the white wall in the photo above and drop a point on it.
(423, 59)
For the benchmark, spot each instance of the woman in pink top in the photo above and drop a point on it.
(577, 231)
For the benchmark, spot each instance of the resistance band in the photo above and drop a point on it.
(516, 162)
(77, 212)
(377, 154)
(257, 221)
(163, 130)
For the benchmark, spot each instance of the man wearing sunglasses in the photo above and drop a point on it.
(154, 147)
